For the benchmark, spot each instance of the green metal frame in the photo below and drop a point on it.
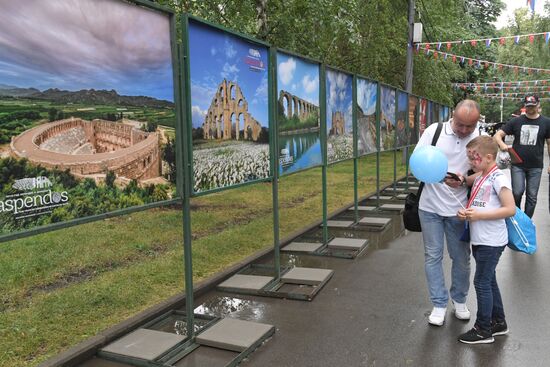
(175, 354)
(272, 289)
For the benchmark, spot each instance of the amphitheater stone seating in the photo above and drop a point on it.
(67, 142)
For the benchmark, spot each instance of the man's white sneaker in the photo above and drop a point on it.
(461, 311)
(437, 317)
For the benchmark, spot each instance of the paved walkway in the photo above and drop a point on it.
(373, 312)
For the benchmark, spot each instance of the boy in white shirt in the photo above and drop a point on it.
(491, 201)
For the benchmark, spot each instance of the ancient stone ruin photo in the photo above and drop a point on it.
(87, 120)
(367, 92)
(298, 114)
(339, 116)
(229, 98)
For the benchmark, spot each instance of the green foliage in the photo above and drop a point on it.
(14, 123)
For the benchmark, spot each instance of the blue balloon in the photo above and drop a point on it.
(428, 164)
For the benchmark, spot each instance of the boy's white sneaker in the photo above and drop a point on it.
(461, 311)
(437, 317)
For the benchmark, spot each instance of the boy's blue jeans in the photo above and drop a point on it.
(489, 301)
(434, 229)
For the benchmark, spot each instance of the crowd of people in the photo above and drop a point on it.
(467, 210)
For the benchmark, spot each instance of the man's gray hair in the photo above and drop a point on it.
(468, 104)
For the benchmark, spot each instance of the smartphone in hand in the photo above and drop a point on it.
(453, 176)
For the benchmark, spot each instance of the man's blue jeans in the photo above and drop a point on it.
(434, 229)
(489, 301)
(526, 180)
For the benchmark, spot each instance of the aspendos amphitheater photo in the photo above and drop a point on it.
(92, 148)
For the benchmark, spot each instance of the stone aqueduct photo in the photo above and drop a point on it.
(298, 114)
(229, 99)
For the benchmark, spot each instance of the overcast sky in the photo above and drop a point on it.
(83, 44)
(512, 5)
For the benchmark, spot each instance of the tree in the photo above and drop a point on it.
(52, 114)
(110, 178)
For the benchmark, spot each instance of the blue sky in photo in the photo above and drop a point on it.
(339, 96)
(86, 44)
(387, 103)
(216, 55)
(366, 95)
(298, 77)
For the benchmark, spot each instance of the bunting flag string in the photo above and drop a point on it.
(498, 87)
(489, 41)
(509, 94)
(485, 63)
(510, 82)
(511, 98)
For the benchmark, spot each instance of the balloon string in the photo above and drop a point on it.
(450, 192)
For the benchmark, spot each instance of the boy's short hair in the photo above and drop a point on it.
(484, 144)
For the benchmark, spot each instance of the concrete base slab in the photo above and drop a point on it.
(339, 223)
(363, 208)
(341, 243)
(374, 221)
(205, 356)
(382, 197)
(100, 362)
(311, 276)
(145, 344)
(233, 334)
(302, 247)
(249, 282)
(396, 207)
(401, 196)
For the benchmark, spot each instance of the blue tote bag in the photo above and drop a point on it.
(522, 233)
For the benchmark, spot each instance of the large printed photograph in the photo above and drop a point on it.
(229, 105)
(87, 114)
(387, 118)
(401, 124)
(298, 114)
(423, 116)
(339, 116)
(367, 93)
(412, 133)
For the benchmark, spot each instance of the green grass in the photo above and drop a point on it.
(60, 288)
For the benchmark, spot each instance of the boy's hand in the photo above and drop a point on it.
(472, 214)
(461, 214)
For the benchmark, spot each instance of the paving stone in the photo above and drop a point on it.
(302, 247)
(347, 243)
(339, 223)
(310, 276)
(382, 197)
(243, 281)
(363, 208)
(392, 207)
(233, 334)
(144, 343)
(375, 221)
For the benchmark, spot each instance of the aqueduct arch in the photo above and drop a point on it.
(227, 107)
(296, 106)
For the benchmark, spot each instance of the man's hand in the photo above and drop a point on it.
(451, 182)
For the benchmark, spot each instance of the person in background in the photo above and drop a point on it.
(438, 206)
(530, 131)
